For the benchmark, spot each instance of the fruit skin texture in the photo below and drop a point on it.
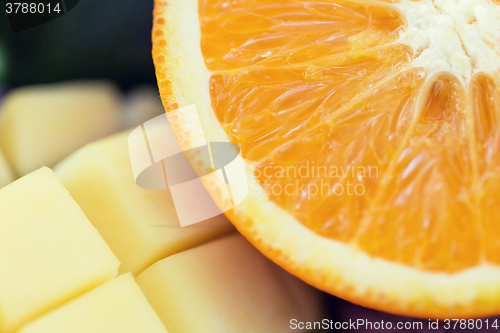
(49, 251)
(41, 125)
(226, 286)
(140, 225)
(341, 269)
(118, 306)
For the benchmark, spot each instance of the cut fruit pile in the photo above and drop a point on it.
(64, 234)
(49, 252)
(141, 228)
(371, 136)
(34, 121)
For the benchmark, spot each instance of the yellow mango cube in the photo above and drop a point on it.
(142, 104)
(41, 125)
(140, 225)
(6, 175)
(49, 251)
(119, 306)
(226, 286)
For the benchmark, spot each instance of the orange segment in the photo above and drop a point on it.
(485, 104)
(239, 34)
(347, 161)
(425, 203)
(262, 108)
(371, 136)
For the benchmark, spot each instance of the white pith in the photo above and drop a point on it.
(458, 36)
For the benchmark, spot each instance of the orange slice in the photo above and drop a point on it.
(370, 132)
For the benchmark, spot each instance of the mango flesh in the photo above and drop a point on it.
(141, 226)
(55, 267)
(225, 286)
(49, 251)
(118, 306)
(6, 175)
(41, 125)
(141, 104)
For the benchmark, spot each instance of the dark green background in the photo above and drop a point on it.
(97, 39)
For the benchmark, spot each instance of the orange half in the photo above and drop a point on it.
(370, 133)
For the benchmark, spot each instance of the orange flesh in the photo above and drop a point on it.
(325, 86)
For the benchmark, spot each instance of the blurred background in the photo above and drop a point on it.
(111, 40)
(96, 39)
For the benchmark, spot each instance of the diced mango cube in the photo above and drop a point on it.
(119, 306)
(41, 125)
(6, 175)
(140, 225)
(49, 251)
(142, 104)
(226, 286)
